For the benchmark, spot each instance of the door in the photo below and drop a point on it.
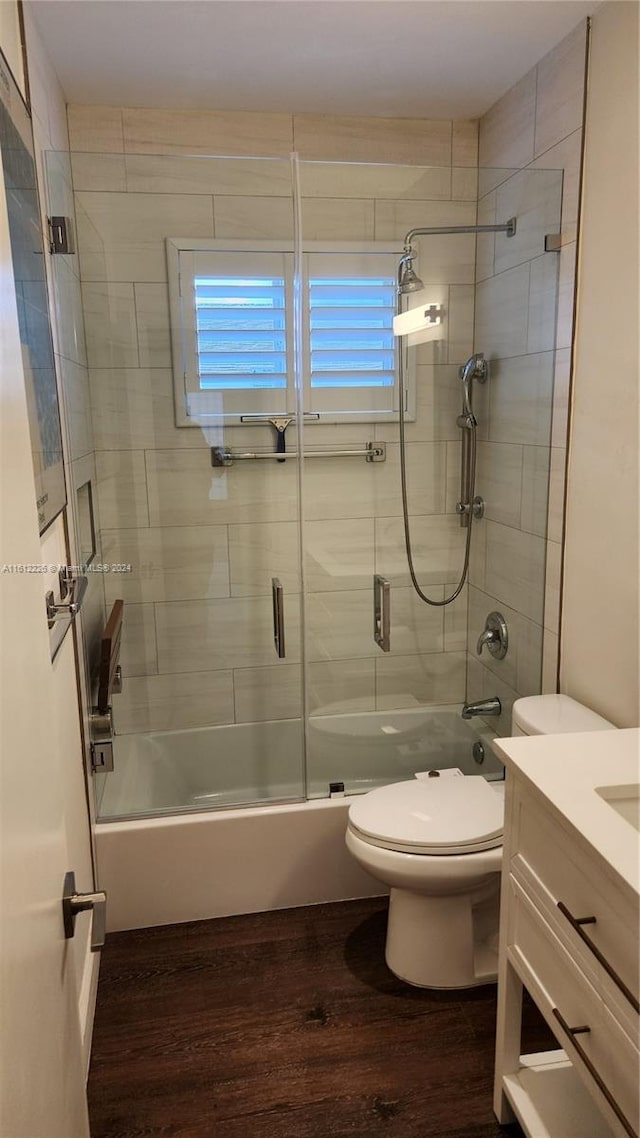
(42, 1093)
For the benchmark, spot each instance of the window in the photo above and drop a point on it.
(233, 331)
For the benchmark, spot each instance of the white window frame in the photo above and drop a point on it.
(210, 410)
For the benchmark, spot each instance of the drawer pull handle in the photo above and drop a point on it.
(577, 923)
(572, 1032)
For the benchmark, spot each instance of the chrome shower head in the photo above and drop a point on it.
(408, 280)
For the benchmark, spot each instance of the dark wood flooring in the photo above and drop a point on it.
(286, 1025)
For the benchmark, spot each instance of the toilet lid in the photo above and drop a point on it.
(435, 815)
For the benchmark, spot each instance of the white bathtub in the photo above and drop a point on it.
(178, 858)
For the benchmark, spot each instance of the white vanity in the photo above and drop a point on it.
(569, 933)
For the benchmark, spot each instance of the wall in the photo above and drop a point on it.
(532, 132)
(600, 596)
(197, 646)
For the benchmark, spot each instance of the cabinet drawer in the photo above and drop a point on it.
(576, 891)
(556, 983)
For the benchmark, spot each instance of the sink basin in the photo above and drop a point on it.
(625, 800)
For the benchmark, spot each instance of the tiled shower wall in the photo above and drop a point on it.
(535, 129)
(204, 545)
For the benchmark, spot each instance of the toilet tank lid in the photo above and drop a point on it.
(556, 715)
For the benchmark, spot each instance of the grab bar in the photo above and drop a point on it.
(278, 616)
(382, 612)
(223, 456)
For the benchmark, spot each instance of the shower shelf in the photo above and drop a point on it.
(222, 456)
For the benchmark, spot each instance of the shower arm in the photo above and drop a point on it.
(508, 227)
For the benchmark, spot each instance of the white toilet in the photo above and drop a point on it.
(437, 842)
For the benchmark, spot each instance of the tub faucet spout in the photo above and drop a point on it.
(490, 706)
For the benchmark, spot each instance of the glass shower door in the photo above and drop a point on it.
(187, 286)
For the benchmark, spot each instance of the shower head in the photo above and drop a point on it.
(408, 280)
(476, 367)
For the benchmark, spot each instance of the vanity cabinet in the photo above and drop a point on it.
(569, 934)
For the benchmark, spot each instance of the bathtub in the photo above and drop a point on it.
(214, 821)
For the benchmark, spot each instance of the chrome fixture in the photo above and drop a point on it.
(222, 456)
(71, 587)
(74, 903)
(495, 636)
(382, 612)
(478, 752)
(277, 595)
(469, 506)
(491, 706)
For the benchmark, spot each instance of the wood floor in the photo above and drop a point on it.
(286, 1025)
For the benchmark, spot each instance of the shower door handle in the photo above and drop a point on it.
(278, 616)
(382, 612)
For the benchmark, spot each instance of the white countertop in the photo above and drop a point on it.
(566, 769)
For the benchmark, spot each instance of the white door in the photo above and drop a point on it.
(42, 1091)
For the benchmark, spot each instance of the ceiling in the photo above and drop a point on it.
(422, 58)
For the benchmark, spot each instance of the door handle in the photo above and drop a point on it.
(382, 612)
(278, 616)
(74, 903)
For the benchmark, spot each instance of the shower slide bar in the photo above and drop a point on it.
(222, 456)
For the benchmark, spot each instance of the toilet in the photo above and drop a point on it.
(436, 841)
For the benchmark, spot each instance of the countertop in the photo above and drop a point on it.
(566, 769)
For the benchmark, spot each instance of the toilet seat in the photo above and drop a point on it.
(431, 816)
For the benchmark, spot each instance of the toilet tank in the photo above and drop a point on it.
(554, 715)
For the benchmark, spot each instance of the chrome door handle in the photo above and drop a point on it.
(382, 612)
(74, 903)
(277, 594)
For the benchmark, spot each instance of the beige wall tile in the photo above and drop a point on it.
(486, 242)
(506, 137)
(437, 407)
(483, 684)
(501, 313)
(352, 488)
(499, 478)
(464, 184)
(347, 138)
(338, 219)
(122, 489)
(560, 90)
(110, 324)
(138, 654)
(520, 392)
(133, 409)
(478, 555)
(566, 156)
(175, 702)
(544, 303)
(75, 387)
(258, 553)
(184, 489)
(268, 693)
(340, 625)
(68, 326)
(339, 687)
(556, 494)
(460, 322)
(197, 636)
(550, 653)
(98, 172)
(174, 174)
(268, 219)
(515, 569)
(552, 587)
(521, 667)
(535, 490)
(339, 554)
(465, 142)
(95, 129)
(168, 564)
(153, 322)
(413, 681)
(155, 131)
(455, 619)
(437, 545)
(565, 295)
(362, 180)
(534, 198)
(561, 384)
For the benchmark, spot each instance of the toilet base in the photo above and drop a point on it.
(444, 942)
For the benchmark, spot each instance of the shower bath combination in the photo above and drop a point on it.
(476, 367)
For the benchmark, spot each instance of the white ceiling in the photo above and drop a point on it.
(424, 58)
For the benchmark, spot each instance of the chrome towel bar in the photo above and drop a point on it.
(222, 456)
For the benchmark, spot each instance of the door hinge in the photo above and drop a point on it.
(60, 235)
